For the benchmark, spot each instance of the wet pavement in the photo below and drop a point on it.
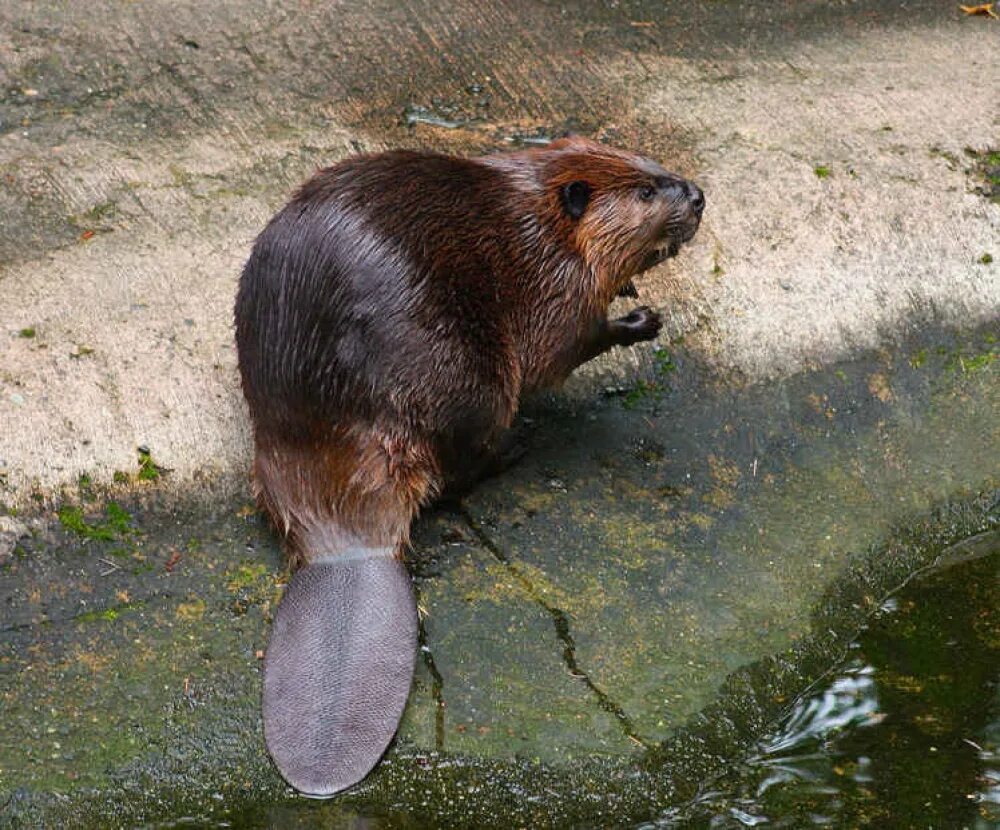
(619, 616)
(700, 527)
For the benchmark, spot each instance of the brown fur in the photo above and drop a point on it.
(392, 316)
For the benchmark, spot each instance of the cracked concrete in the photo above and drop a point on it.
(697, 527)
(561, 623)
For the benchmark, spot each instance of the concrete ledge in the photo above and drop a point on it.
(140, 161)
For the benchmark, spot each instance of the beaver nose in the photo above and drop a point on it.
(696, 197)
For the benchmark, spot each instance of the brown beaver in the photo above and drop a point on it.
(388, 322)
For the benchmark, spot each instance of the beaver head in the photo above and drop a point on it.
(621, 212)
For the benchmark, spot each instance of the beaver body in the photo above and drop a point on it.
(388, 322)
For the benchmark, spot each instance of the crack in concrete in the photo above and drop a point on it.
(437, 681)
(560, 620)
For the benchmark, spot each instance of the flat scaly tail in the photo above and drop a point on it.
(338, 668)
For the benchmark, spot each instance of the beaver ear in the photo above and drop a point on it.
(575, 197)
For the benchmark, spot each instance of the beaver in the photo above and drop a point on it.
(388, 321)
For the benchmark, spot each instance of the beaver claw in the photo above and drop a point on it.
(639, 324)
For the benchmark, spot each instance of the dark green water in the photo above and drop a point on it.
(905, 732)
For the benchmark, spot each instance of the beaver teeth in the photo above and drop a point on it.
(629, 290)
(667, 249)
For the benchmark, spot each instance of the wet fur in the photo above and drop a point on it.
(388, 322)
(393, 314)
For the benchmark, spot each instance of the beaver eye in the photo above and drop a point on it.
(647, 192)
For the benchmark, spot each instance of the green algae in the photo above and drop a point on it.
(986, 168)
(116, 525)
(108, 614)
(109, 694)
(99, 217)
(475, 700)
(733, 568)
(149, 470)
(429, 787)
(247, 575)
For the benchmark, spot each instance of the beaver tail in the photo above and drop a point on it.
(338, 668)
(344, 638)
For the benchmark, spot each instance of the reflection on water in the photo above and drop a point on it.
(905, 732)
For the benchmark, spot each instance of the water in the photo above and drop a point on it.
(905, 732)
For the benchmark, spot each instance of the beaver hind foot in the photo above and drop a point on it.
(338, 669)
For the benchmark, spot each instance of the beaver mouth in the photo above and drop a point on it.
(666, 248)
(669, 249)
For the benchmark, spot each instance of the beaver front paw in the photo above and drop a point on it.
(639, 324)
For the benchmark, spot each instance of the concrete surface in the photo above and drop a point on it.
(142, 147)
(699, 526)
